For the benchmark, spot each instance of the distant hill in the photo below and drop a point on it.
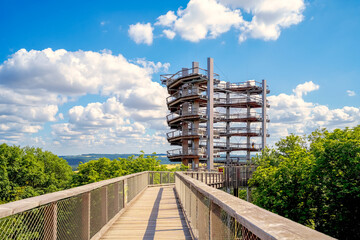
(74, 160)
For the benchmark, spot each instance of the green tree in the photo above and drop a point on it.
(104, 168)
(282, 180)
(336, 178)
(27, 172)
(314, 182)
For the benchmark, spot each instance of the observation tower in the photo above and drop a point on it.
(213, 119)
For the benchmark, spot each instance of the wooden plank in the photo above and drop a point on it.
(155, 215)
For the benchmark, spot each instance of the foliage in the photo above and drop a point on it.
(336, 177)
(104, 168)
(27, 172)
(314, 181)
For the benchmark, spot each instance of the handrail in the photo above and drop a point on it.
(189, 132)
(222, 116)
(240, 130)
(238, 100)
(215, 214)
(184, 93)
(246, 84)
(190, 152)
(189, 112)
(82, 212)
(168, 79)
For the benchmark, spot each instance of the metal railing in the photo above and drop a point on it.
(214, 179)
(234, 116)
(215, 214)
(188, 152)
(189, 112)
(189, 132)
(240, 130)
(78, 213)
(168, 79)
(239, 100)
(239, 85)
(222, 145)
(185, 93)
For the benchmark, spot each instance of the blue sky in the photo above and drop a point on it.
(308, 51)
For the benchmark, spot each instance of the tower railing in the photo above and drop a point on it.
(189, 112)
(240, 130)
(168, 79)
(184, 93)
(189, 132)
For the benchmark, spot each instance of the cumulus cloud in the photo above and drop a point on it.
(141, 33)
(290, 113)
(169, 34)
(351, 93)
(210, 18)
(303, 89)
(35, 84)
(166, 20)
(268, 17)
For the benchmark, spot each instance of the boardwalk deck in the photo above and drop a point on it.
(156, 214)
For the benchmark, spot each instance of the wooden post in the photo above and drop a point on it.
(168, 177)
(124, 193)
(160, 177)
(50, 222)
(85, 216)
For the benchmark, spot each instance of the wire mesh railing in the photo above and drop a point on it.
(77, 213)
(215, 214)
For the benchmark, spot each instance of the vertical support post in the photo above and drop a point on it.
(168, 177)
(160, 177)
(210, 114)
(248, 129)
(125, 190)
(195, 67)
(228, 124)
(184, 72)
(85, 216)
(50, 222)
(264, 92)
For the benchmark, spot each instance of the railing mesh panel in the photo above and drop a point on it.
(25, 225)
(112, 197)
(207, 219)
(69, 220)
(97, 213)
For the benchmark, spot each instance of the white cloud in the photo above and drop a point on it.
(141, 33)
(169, 34)
(268, 16)
(303, 89)
(205, 18)
(210, 18)
(35, 84)
(292, 114)
(166, 20)
(351, 93)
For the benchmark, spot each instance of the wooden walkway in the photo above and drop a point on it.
(156, 214)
